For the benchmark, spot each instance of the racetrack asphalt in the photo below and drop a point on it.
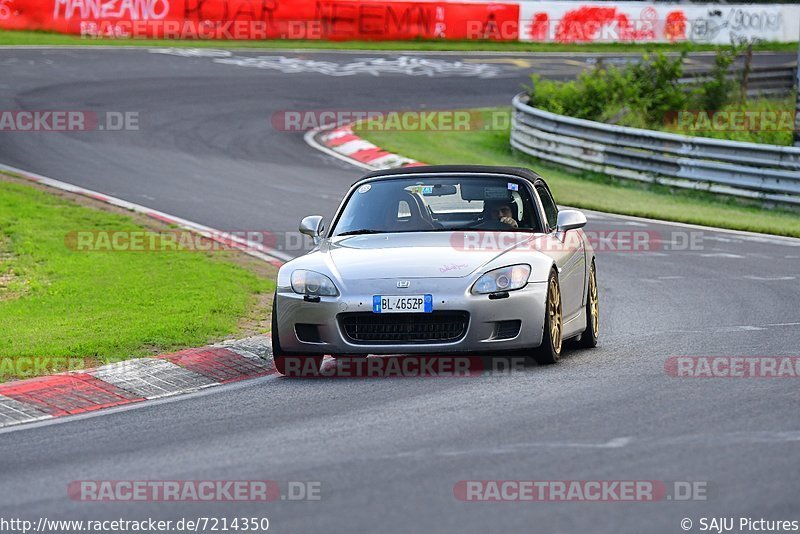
(388, 452)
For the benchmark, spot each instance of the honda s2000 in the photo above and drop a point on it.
(440, 259)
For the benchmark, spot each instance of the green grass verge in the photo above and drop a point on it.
(106, 306)
(585, 190)
(30, 38)
(776, 133)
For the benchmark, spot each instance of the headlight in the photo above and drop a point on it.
(503, 279)
(313, 283)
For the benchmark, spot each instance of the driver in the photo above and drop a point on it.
(503, 214)
(497, 215)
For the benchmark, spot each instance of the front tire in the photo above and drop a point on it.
(549, 352)
(288, 363)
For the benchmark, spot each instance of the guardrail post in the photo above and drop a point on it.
(748, 65)
(797, 96)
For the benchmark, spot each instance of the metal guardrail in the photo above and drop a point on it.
(759, 171)
(762, 80)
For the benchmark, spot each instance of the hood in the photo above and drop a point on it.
(418, 255)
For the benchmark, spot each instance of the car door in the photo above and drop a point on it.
(567, 250)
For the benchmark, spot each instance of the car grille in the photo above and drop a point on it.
(435, 327)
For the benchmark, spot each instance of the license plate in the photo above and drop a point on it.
(402, 303)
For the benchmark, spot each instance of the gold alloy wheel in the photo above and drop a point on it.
(554, 314)
(594, 302)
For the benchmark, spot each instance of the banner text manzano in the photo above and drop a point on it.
(276, 19)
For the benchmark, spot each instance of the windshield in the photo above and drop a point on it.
(422, 204)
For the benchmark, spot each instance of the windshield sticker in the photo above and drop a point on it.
(364, 188)
(422, 189)
(513, 187)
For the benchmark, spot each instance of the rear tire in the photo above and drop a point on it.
(589, 336)
(549, 352)
(288, 363)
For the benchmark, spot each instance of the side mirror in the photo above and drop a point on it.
(570, 220)
(313, 226)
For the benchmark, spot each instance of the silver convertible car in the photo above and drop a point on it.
(440, 260)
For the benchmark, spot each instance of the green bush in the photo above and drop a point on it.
(714, 94)
(641, 92)
(648, 94)
(587, 98)
(655, 87)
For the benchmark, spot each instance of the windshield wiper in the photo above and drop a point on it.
(363, 231)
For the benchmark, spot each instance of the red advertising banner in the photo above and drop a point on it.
(265, 19)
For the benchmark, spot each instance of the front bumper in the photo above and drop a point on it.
(526, 305)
